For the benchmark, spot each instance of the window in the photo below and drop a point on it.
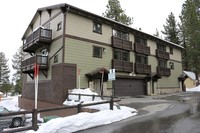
(171, 64)
(121, 55)
(141, 59)
(162, 63)
(140, 40)
(55, 60)
(97, 52)
(161, 47)
(120, 34)
(97, 27)
(59, 26)
(171, 50)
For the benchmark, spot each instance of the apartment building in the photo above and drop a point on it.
(76, 49)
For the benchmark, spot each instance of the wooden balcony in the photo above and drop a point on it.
(162, 54)
(142, 68)
(28, 64)
(37, 39)
(142, 49)
(163, 71)
(122, 44)
(122, 66)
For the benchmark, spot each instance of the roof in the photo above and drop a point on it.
(70, 8)
(190, 74)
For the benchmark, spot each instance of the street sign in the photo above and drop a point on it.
(111, 75)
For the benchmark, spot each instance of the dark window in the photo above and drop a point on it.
(55, 59)
(162, 63)
(140, 40)
(59, 26)
(121, 55)
(142, 59)
(171, 64)
(97, 27)
(120, 34)
(171, 50)
(97, 51)
(161, 47)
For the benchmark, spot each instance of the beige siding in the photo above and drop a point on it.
(54, 12)
(153, 46)
(83, 27)
(189, 83)
(37, 22)
(45, 17)
(54, 24)
(81, 53)
(176, 55)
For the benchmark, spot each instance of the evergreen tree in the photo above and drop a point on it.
(115, 12)
(190, 19)
(4, 74)
(157, 33)
(171, 30)
(17, 76)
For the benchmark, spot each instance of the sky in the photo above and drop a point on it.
(16, 15)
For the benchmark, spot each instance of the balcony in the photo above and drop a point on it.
(142, 49)
(142, 68)
(122, 44)
(162, 54)
(163, 71)
(122, 66)
(37, 39)
(28, 64)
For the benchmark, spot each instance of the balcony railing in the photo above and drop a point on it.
(163, 71)
(37, 39)
(122, 44)
(142, 49)
(162, 54)
(142, 68)
(28, 64)
(122, 66)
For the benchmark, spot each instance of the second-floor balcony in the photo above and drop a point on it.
(28, 65)
(163, 71)
(122, 44)
(37, 39)
(122, 66)
(142, 49)
(142, 68)
(162, 54)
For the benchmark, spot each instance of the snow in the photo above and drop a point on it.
(80, 121)
(195, 89)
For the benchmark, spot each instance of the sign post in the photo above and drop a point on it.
(36, 72)
(79, 77)
(112, 77)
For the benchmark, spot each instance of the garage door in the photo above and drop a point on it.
(129, 87)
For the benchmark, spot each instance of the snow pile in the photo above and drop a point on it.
(11, 103)
(194, 89)
(85, 120)
(73, 99)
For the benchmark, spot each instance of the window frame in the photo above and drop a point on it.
(161, 61)
(100, 51)
(161, 47)
(143, 59)
(95, 27)
(171, 64)
(59, 26)
(171, 50)
(120, 34)
(122, 53)
(140, 40)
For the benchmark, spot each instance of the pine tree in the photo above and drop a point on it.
(190, 19)
(115, 12)
(4, 74)
(157, 33)
(17, 76)
(171, 30)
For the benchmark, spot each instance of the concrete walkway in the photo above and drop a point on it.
(156, 114)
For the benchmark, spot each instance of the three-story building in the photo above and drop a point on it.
(76, 49)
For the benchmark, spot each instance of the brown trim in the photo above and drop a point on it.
(87, 40)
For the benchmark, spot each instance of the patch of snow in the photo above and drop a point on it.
(194, 89)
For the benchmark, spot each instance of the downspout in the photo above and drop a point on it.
(63, 34)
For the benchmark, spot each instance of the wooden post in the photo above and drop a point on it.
(34, 120)
(79, 107)
(111, 103)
